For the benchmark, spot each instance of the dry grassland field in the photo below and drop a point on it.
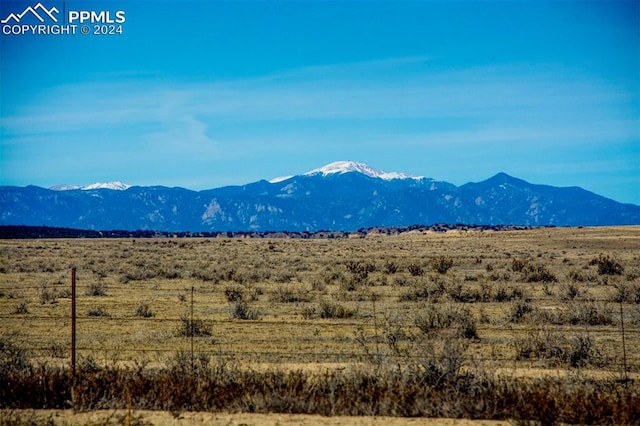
(449, 324)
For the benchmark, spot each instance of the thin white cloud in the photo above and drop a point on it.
(552, 135)
(184, 134)
(489, 94)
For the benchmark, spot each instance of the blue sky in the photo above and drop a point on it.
(207, 94)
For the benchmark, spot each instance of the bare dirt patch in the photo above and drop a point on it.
(146, 417)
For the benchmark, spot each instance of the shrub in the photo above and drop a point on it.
(467, 325)
(350, 285)
(171, 273)
(330, 276)
(206, 274)
(578, 351)
(519, 310)
(570, 291)
(57, 350)
(21, 308)
(400, 281)
(359, 273)
(140, 274)
(65, 293)
(195, 328)
(334, 310)
(607, 265)
(144, 311)
(577, 276)
(290, 295)
(548, 291)
(632, 275)
(541, 344)
(458, 294)
(47, 294)
(517, 265)
(97, 312)
(234, 293)
(441, 264)
(415, 270)
(381, 281)
(635, 293)
(440, 361)
(535, 272)
(623, 293)
(360, 295)
(97, 288)
(588, 313)
(283, 277)
(435, 318)
(186, 364)
(390, 267)
(241, 310)
(421, 291)
(318, 285)
(13, 358)
(499, 276)
(507, 294)
(88, 365)
(308, 312)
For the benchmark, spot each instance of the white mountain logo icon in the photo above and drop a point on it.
(34, 11)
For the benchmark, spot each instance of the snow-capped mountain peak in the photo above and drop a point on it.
(115, 185)
(341, 167)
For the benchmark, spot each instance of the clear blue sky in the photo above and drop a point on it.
(207, 94)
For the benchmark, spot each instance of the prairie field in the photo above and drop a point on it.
(486, 320)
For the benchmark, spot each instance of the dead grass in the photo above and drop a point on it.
(344, 302)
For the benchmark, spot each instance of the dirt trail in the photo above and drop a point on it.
(146, 417)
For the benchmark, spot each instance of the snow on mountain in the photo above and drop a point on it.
(65, 187)
(341, 167)
(115, 185)
(280, 179)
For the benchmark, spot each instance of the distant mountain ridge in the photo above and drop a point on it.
(115, 185)
(341, 196)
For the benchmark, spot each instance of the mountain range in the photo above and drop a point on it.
(344, 195)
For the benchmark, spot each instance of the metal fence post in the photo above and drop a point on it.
(192, 331)
(73, 320)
